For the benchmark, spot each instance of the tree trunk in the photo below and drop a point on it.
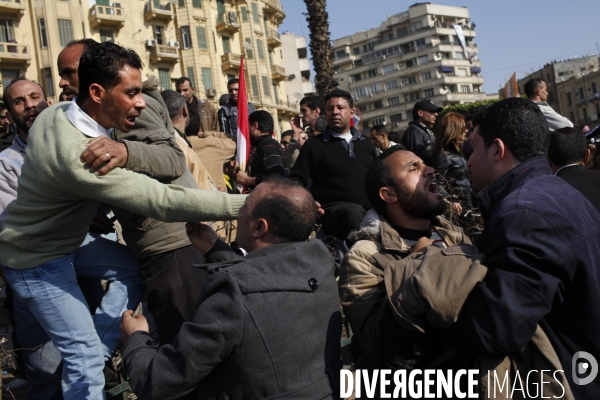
(320, 46)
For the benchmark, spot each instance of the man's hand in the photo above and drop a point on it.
(457, 208)
(131, 324)
(423, 242)
(320, 211)
(296, 128)
(242, 178)
(101, 224)
(201, 235)
(106, 153)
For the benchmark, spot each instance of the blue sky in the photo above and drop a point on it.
(511, 35)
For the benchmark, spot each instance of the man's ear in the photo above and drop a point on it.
(96, 93)
(586, 158)
(185, 111)
(318, 111)
(500, 150)
(260, 228)
(388, 194)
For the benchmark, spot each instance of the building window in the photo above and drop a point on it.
(423, 60)
(221, 11)
(428, 92)
(393, 101)
(265, 83)
(185, 37)
(355, 77)
(395, 119)
(164, 76)
(181, 3)
(158, 34)
(425, 76)
(378, 104)
(391, 85)
(254, 84)
(341, 54)
(107, 36)
(356, 51)
(585, 115)
(598, 109)
(65, 31)
(387, 69)
(371, 73)
(226, 44)
(192, 75)
(360, 92)
(581, 96)
(465, 88)
(412, 97)
(201, 33)
(49, 84)
(572, 115)
(197, 3)
(249, 52)
(207, 79)
(461, 72)
(459, 55)
(378, 121)
(43, 34)
(260, 49)
(276, 94)
(594, 91)
(255, 13)
(376, 87)
(402, 31)
(569, 101)
(420, 43)
(244, 12)
(409, 114)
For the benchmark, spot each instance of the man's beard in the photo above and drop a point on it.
(418, 204)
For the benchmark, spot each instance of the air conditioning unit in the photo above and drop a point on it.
(174, 44)
(211, 92)
(396, 124)
(115, 5)
(150, 42)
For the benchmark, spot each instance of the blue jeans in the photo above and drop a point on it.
(50, 295)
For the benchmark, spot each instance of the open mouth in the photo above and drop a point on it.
(433, 187)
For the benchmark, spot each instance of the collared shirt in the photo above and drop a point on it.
(85, 123)
(356, 135)
(565, 166)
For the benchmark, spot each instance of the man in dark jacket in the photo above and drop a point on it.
(568, 154)
(542, 249)
(336, 161)
(419, 138)
(269, 156)
(228, 112)
(268, 325)
(203, 116)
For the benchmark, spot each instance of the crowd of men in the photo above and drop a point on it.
(261, 317)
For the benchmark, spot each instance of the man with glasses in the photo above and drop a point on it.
(228, 112)
(419, 138)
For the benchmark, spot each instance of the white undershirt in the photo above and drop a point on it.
(346, 136)
(85, 123)
(565, 166)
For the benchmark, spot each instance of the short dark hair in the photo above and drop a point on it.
(340, 93)
(380, 130)
(232, 81)
(3, 107)
(85, 42)
(313, 102)
(264, 119)
(519, 123)
(287, 133)
(289, 220)
(378, 175)
(532, 85)
(567, 146)
(175, 103)
(17, 79)
(101, 64)
(182, 80)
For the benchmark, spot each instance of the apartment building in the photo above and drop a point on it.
(412, 55)
(294, 50)
(579, 96)
(201, 39)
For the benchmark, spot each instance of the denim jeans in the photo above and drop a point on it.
(49, 295)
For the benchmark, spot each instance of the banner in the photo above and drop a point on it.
(463, 43)
(510, 87)
(243, 129)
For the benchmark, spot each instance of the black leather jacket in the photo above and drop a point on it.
(452, 172)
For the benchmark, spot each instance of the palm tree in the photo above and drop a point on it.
(320, 46)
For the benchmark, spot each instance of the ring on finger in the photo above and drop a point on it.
(107, 157)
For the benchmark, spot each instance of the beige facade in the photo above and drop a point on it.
(201, 39)
(297, 66)
(412, 55)
(580, 98)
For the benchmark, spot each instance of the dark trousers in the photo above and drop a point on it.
(340, 218)
(172, 288)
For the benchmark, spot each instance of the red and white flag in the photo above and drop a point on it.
(243, 129)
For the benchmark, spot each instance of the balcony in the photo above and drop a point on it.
(15, 54)
(12, 8)
(273, 8)
(231, 62)
(273, 38)
(107, 16)
(164, 53)
(278, 73)
(154, 11)
(286, 109)
(228, 23)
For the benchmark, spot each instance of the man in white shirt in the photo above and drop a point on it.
(537, 91)
(379, 138)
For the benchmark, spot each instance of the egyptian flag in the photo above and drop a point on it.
(243, 129)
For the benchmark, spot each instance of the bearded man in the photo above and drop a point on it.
(406, 209)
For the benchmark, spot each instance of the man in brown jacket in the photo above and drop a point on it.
(203, 116)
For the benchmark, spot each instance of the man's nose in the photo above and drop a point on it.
(140, 103)
(63, 82)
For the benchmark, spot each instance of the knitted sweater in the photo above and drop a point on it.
(58, 196)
